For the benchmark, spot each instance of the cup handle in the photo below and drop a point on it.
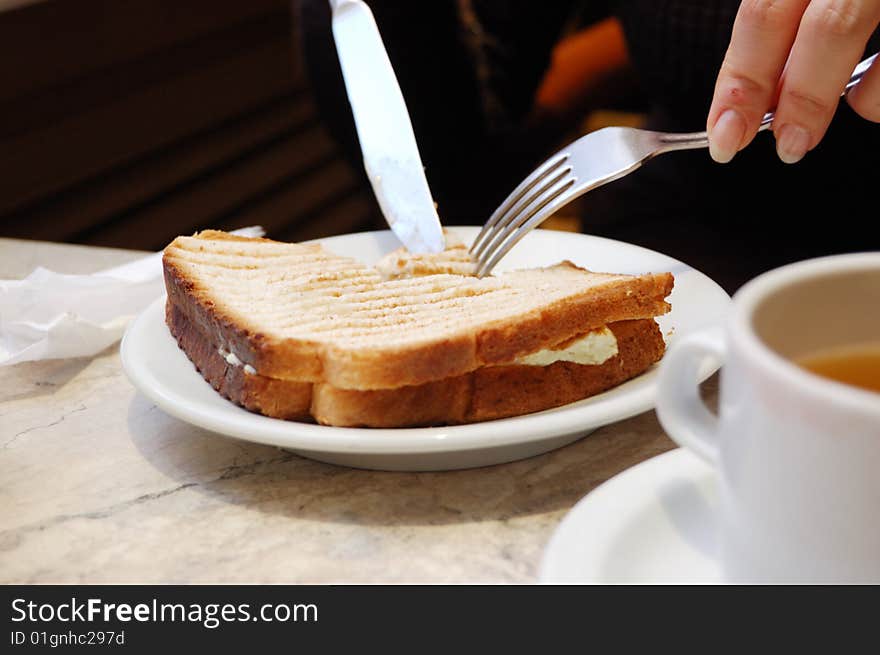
(680, 409)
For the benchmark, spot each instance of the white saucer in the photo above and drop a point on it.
(651, 524)
(162, 372)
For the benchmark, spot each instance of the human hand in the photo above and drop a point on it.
(796, 55)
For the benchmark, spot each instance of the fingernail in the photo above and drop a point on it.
(792, 143)
(726, 135)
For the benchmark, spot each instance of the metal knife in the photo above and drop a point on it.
(391, 156)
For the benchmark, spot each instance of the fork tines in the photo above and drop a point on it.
(528, 205)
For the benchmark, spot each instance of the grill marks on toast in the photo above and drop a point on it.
(291, 310)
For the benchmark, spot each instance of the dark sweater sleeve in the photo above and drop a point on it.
(677, 47)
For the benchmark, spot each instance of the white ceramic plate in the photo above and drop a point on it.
(162, 372)
(652, 524)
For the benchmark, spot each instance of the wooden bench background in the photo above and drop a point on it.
(128, 122)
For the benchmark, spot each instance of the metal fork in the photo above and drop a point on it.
(593, 160)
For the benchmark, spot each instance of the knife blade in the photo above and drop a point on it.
(391, 155)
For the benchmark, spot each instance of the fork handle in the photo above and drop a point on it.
(694, 140)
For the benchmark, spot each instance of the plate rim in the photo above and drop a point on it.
(547, 424)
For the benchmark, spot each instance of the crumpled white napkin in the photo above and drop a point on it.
(52, 315)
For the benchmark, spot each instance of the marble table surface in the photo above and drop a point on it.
(98, 485)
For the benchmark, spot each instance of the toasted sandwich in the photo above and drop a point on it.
(293, 331)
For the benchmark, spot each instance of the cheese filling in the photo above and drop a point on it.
(233, 360)
(594, 348)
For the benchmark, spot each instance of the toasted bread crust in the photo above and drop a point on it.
(390, 366)
(485, 394)
(623, 300)
(284, 399)
(493, 392)
(301, 359)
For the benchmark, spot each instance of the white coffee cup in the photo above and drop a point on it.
(797, 455)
